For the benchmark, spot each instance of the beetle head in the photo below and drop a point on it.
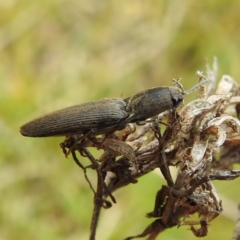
(176, 96)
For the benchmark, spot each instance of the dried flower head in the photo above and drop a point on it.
(201, 139)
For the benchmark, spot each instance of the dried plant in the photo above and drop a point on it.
(201, 139)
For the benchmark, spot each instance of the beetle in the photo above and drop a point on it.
(107, 115)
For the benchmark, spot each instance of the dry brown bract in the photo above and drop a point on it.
(189, 140)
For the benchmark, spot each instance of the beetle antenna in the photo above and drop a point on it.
(176, 83)
(195, 87)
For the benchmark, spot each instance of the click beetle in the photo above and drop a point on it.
(107, 115)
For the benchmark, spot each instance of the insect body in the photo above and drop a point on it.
(106, 115)
(98, 117)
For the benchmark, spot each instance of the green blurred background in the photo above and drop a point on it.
(59, 53)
